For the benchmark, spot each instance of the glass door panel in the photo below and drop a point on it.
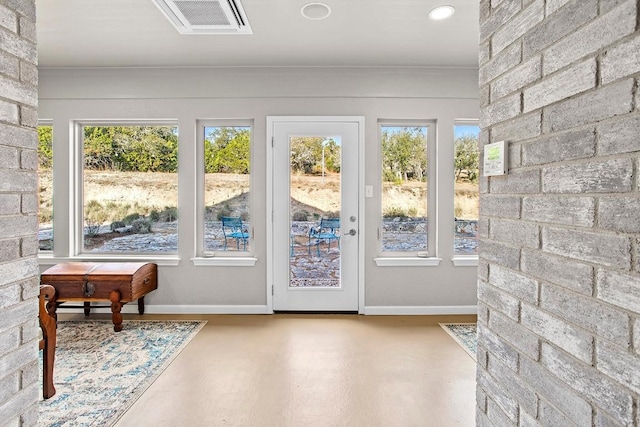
(314, 211)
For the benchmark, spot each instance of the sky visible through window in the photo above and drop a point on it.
(463, 130)
(459, 130)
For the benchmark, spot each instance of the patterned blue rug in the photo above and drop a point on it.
(99, 374)
(465, 334)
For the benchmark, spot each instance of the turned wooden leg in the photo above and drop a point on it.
(116, 306)
(87, 308)
(141, 305)
(48, 343)
(49, 355)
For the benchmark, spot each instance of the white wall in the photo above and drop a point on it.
(190, 94)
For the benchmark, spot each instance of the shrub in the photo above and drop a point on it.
(154, 216)
(94, 217)
(398, 212)
(141, 226)
(129, 219)
(169, 214)
(115, 211)
(224, 211)
(117, 224)
(389, 176)
(302, 215)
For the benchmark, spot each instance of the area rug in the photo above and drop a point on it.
(464, 334)
(99, 373)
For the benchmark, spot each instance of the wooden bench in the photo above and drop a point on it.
(87, 282)
(48, 340)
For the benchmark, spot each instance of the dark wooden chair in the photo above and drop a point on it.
(48, 341)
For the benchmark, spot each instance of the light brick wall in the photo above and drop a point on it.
(19, 382)
(559, 276)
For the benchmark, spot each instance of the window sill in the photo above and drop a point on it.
(465, 261)
(165, 260)
(407, 262)
(224, 261)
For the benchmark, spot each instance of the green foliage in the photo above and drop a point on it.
(169, 214)
(399, 212)
(117, 224)
(45, 146)
(467, 158)
(228, 150)
(131, 148)
(302, 215)
(154, 215)
(131, 217)
(94, 217)
(306, 155)
(224, 211)
(404, 154)
(141, 226)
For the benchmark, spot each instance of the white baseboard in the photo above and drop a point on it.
(404, 310)
(399, 310)
(132, 308)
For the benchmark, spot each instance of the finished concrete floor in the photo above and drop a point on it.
(304, 370)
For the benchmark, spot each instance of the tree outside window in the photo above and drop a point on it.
(45, 187)
(130, 188)
(227, 169)
(466, 190)
(404, 188)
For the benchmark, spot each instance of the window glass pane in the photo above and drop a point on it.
(314, 211)
(466, 189)
(404, 188)
(130, 188)
(45, 188)
(227, 155)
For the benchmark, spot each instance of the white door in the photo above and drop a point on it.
(315, 204)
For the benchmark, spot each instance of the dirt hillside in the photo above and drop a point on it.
(146, 191)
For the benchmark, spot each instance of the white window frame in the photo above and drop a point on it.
(76, 216)
(460, 259)
(222, 258)
(428, 258)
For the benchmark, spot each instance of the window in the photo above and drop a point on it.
(405, 189)
(45, 187)
(466, 190)
(226, 211)
(129, 188)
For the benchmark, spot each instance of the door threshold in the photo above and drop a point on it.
(315, 312)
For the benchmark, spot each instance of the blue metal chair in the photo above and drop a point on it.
(232, 229)
(327, 230)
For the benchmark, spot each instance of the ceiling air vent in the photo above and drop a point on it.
(205, 16)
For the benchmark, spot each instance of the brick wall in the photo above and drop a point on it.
(19, 382)
(559, 278)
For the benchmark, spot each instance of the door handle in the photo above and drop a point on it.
(351, 232)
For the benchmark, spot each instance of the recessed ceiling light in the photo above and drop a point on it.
(315, 11)
(441, 12)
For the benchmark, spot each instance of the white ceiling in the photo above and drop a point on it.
(123, 33)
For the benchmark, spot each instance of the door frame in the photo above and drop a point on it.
(271, 121)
